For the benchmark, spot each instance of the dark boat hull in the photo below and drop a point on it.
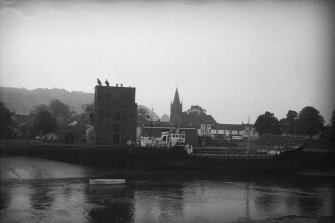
(180, 160)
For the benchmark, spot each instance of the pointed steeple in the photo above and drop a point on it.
(176, 97)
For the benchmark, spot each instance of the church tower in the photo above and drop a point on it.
(176, 109)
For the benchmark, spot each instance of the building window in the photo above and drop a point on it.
(116, 138)
(116, 128)
(125, 115)
(101, 113)
(117, 116)
(203, 126)
(108, 113)
(209, 126)
(124, 96)
(100, 95)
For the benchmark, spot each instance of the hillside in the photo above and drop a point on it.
(22, 101)
(152, 114)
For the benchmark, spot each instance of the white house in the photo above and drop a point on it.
(231, 131)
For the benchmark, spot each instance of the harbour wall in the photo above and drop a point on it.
(73, 153)
(117, 155)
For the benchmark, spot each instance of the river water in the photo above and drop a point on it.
(40, 190)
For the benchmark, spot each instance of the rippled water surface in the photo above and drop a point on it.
(39, 190)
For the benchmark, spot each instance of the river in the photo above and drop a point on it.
(41, 190)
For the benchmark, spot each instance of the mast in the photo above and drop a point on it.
(151, 120)
(248, 146)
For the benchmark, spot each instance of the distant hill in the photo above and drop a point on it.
(22, 100)
(152, 114)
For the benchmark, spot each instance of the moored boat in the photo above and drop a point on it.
(106, 181)
(170, 152)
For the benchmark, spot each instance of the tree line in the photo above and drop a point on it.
(307, 122)
(45, 119)
(42, 119)
(56, 115)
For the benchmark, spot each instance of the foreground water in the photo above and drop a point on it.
(39, 190)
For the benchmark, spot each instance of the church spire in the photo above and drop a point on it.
(176, 97)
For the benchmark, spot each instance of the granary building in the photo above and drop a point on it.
(114, 116)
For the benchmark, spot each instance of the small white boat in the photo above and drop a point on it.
(107, 181)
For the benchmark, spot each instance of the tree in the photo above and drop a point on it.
(89, 112)
(329, 130)
(44, 122)
(58, 108)
(310, 122)
(38, 108)
(60, 111)
(267, 123)
(142, 116)
(332, 122)
(6, 121)
(196, 109)
(289, 124)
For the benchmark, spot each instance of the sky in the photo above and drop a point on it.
(236, 59)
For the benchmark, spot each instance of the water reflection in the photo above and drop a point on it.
(41, 196)
(157, 201)
(267, 202)
(114, 203)
(167, 197)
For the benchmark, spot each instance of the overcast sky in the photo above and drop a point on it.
(236, 59)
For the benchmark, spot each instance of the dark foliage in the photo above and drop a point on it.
(44, 122)
(289, 124)
(88, 114)
(58, 108)
(310, 122)
(267, 124)
(332, 123)
(6, 121)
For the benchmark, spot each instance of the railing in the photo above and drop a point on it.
(22, 142)
(233, 156)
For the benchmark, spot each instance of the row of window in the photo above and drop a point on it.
(178, 136)
(115, 138)
(115, 127)
(123, 96)
(203, 126)
(226, 131)
(125, 115)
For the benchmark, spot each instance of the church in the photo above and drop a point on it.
(196, 117)
(195, 122)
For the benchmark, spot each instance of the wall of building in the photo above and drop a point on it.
(115, 115)
(206, 130)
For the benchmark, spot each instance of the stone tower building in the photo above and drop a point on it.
(115, 114)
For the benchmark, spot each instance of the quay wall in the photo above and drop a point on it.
(117, 155)
(75, 153)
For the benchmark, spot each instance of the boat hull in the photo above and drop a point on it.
(179, 159)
